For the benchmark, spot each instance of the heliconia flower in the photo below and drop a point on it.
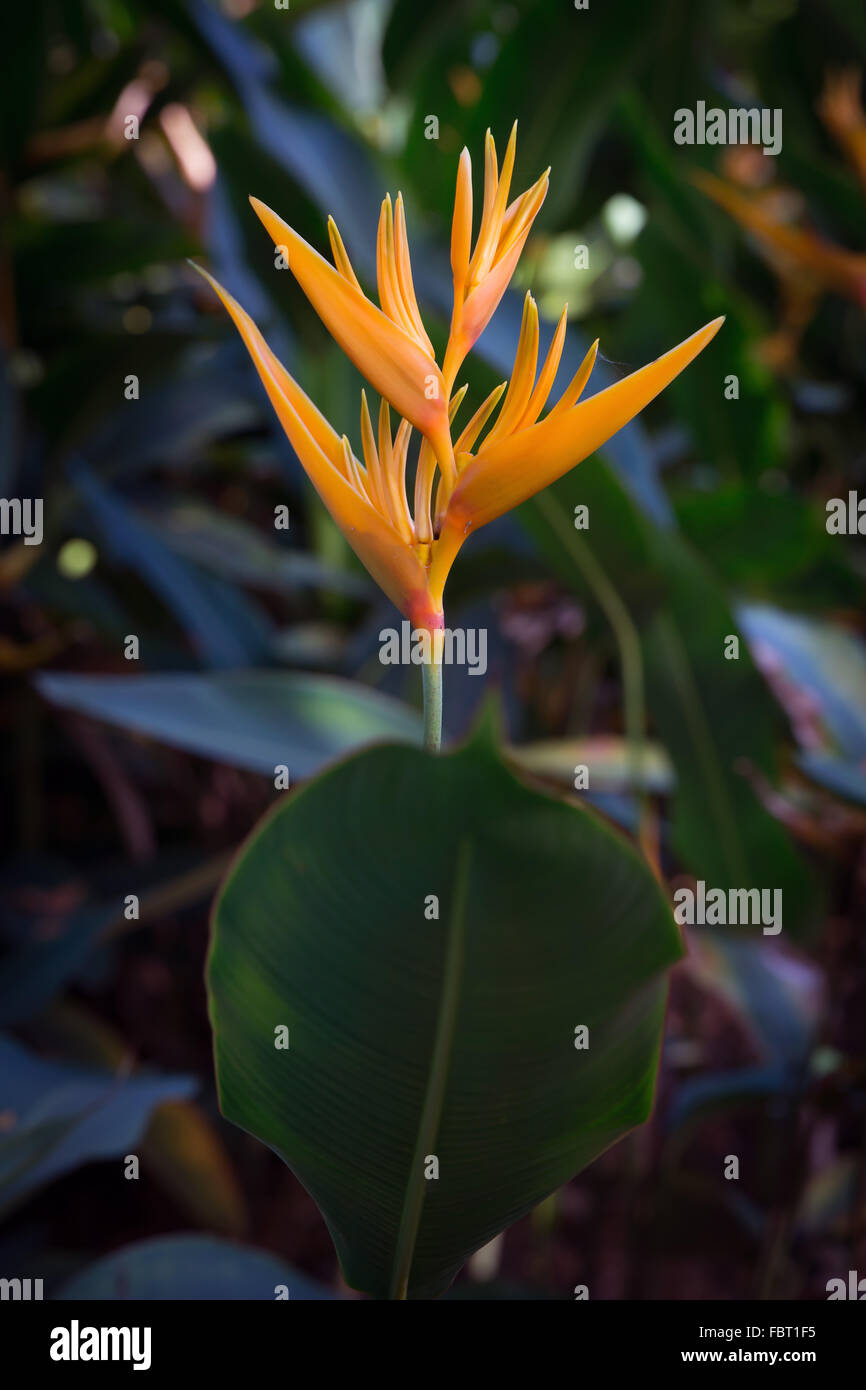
(791, 248)
(409, 550)
(806, 264)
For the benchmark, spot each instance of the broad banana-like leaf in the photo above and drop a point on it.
(469, 976)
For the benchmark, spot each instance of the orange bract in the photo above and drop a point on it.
(410, 550)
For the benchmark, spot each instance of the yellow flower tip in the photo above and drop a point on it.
(491, 166)
(457, 401)
(461, 226)
(690, 347)
(572, 393)
(341, 259)
(510, 151)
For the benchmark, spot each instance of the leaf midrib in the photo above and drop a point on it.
(434, 1095)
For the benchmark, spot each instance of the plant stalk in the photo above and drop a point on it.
(431, 674)
(631, 664)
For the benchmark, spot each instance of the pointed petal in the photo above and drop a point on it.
(375, 481)
(461, 226)
(404, 275)
(481, 304)
(489, 233)
(506, 473)
(393, 564)
(341, 259)
(313, 420)
(504, 186)
(522, 213)
(425, 471)
(352, 470)
(478, 421)
(491, 179)
(382, 351)
(546, 376)
(456, 401)
(572, 393)
(400, 454)
(525, 363)
(386, 271)
(483, 301)
(393, 476)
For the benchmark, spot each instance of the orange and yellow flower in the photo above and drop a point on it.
(806, 264)
(460, 483)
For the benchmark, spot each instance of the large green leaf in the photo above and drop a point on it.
(452, 1036)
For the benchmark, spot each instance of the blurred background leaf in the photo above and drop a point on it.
(185, 1267)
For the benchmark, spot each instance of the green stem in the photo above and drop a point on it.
(431, 674)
